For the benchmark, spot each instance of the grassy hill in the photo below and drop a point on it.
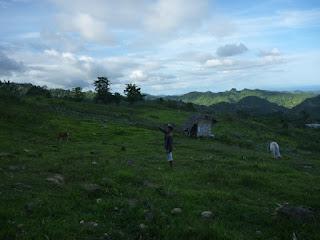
(310, 108)
(254, 106)
(119, 149)
(285, 99)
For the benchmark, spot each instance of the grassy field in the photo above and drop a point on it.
(120, 150)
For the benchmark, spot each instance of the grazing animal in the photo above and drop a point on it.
(275, 149)
(63, 136)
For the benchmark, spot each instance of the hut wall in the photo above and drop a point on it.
(204, 129)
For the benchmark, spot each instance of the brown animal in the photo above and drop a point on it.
(63, 136)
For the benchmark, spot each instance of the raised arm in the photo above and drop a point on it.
(162, 130)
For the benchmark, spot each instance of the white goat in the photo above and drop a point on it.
(275, 149)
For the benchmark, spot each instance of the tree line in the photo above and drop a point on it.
(102, 94)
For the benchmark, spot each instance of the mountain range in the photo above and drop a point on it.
(284, 99)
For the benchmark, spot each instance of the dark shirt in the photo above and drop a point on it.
(168, 140)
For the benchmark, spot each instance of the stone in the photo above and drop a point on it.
(90, 224)
(92, 188)
(298, 213)
(294, 236)
(57, 179)
(176, 211)
(20, 225)
(142, 226)
(106, 236)
(206, 214)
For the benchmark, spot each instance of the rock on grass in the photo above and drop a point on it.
(57, 179)
(298, 213)
(206, 214)
(176, 211)
(92, 188)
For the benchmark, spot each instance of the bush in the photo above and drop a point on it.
(38, 91)
(77, 94)
(9, 90)
(133, 93)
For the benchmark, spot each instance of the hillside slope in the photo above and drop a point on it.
(310, 107)
(250, 105)
(285, 99)
(111, 179)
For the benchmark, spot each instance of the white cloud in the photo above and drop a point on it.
(51, 52)
(102, 21)
(219, 62)
(168, 16)
(272, 52)
(138, 75)
(89, 27)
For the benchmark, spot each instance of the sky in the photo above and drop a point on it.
(164, 46)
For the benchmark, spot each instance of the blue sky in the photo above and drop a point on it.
(164, 46)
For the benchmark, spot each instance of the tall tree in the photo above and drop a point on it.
(133, 93)
(102, 88)
(77, 94)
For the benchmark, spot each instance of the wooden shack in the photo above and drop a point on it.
(199, 126)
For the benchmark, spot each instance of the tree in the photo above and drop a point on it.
(117, 98)
(9, 90)
(102, 88)
(133, 93)
(77, 94)
(38, 91)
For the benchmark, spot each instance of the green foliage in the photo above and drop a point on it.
(133, 93)
(77, 94)
(285, 99)
(9, 90)
(102, 88)
(117, 98)
(38, 91)
(60, 93)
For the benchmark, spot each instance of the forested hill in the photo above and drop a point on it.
(285, 99)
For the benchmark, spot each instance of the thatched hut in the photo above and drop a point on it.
(199, 126)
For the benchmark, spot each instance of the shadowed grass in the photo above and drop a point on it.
(120, 149)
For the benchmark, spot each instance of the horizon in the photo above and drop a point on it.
(165, 47)
(312, 89)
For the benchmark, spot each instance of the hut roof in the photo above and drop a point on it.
(194, 119)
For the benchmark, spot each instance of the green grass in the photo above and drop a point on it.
(232, 175)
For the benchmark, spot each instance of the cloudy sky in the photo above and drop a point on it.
(164, 46)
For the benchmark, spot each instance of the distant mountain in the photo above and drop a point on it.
(285, 99)
(310, 109)
(250, 105)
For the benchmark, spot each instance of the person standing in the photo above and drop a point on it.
(168, 142)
